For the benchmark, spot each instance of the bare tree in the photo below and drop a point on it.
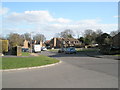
(39, 37)
(27, 36)
(79, 33)
(99, 32)
(113, 33)
(67, 34)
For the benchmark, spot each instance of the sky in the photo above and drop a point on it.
(49, 18)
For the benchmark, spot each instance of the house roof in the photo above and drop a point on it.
(47, 42)
(67, 39)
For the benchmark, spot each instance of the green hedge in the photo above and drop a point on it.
(3, 46)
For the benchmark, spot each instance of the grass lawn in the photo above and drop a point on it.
(21, 62)
(25, 53)
(54, 50)
(117, 55)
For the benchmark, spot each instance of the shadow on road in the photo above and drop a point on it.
(94, 54)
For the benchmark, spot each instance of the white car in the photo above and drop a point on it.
(44, 49)
(37, 48)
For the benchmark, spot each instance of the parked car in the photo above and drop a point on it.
(61, 50)
(37, 48)
(44, 49)
(48, 47)
(70, 50)
(25, 50)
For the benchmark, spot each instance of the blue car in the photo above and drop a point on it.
(70, 50)
(25, 50)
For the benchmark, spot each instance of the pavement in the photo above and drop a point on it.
(76, 71)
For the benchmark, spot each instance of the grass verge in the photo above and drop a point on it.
(25, 53)
(117, 55)
(53, 50)
(22, 62)
(86, 50)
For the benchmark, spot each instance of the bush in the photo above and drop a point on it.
(106, 49)
(3, 46)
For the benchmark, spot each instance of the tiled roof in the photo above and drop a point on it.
(67, 39)
(48, 41)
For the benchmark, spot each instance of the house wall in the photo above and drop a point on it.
(25, 45)
(41, 43)
(57, 42)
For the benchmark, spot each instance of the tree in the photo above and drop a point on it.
(67, 34)
(27, 36)
(87, 41)
(104, 39)
(113, 33)
(88, 32)
(39, 37)
(99, 32)
(15, 39)
(90, 36)
(81, 39)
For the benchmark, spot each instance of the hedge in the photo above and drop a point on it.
(3, 46)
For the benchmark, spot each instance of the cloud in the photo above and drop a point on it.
(62, 20)
(43, 22)
(3, 10)
(116, 16)
(89, 21)
(40, 17)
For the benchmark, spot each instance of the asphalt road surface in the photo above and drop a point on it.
(75, 71)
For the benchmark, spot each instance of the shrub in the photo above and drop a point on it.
(3, 46)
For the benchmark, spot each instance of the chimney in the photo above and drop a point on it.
(41, 43)
(54, 42)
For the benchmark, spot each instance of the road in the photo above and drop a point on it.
(75, 71)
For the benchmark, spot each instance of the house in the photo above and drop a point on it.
(47, 43)
(64, 42)
(116, 42)
(27, 44)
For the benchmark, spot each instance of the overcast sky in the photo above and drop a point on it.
(49, 18)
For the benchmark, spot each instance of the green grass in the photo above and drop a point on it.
(25, 53)
(117, 55)
(22, 62)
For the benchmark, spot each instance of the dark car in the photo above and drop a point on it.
(48, 47)
(61, 50)
(25, 50)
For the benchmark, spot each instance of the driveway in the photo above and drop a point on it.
(75, 71)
